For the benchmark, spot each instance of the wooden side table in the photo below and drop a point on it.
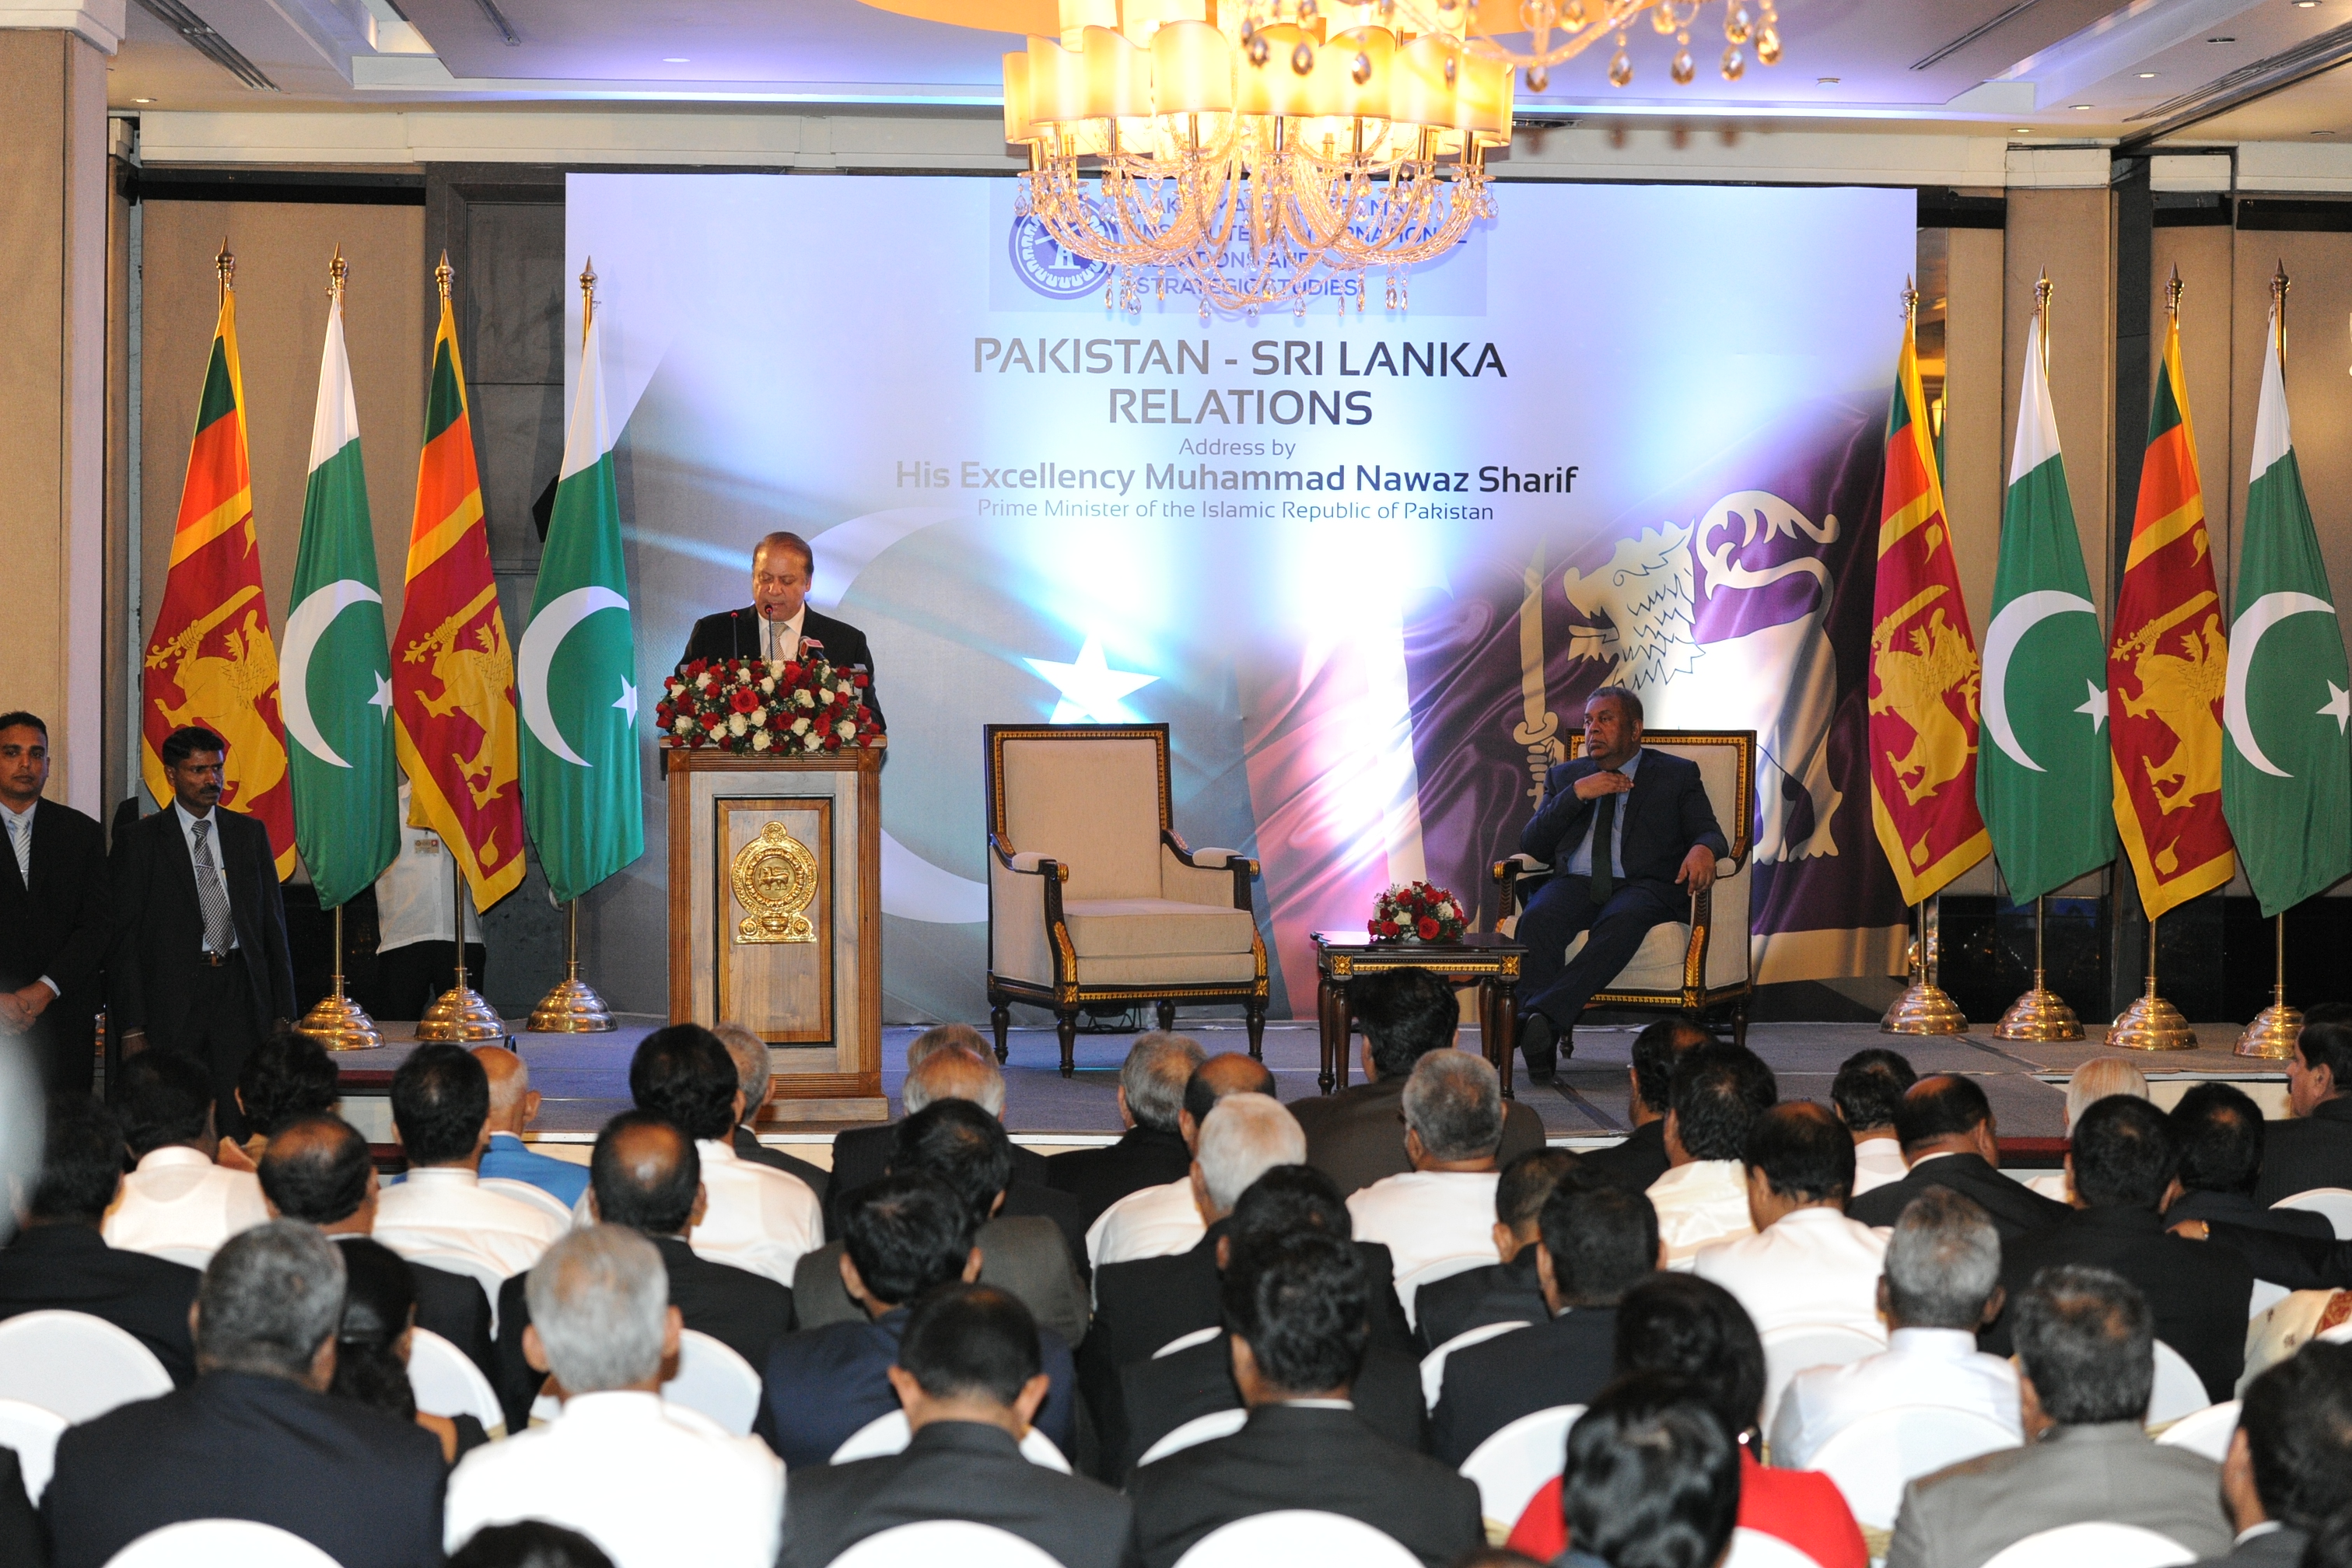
(1488, 961)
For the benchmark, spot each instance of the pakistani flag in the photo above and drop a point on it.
(333, 674)
(2042, 769)
(2286, 771)
(576, 670)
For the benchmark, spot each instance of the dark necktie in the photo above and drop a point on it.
(1604, 829)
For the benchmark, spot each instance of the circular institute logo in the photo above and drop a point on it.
(1047, 268)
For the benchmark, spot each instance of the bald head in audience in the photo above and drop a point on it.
(514, 1104)
(1227, 1073)
(318, 1170)
(647, 1176)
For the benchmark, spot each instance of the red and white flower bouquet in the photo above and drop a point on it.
(766, 707)
(1416, 912)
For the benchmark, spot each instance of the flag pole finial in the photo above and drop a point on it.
(2172, 293)
(587, 297)
(2279, 285)
(338, 269)
(225, 263)
(443, 274)
(1910, 299)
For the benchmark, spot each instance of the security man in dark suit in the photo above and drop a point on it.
(777, 623)
(1947, 1129)
(1631, 838)
(199, 964)
(55, 922)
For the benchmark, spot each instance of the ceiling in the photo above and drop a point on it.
(2055, 69)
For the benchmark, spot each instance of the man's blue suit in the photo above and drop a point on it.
(1666, 814)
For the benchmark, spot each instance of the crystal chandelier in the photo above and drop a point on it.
(1559, 30)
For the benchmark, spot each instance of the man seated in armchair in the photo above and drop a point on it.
(1629, 838)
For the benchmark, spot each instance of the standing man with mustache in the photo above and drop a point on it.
(54, 923)
(199, 964)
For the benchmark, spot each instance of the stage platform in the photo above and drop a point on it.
(583, 1078)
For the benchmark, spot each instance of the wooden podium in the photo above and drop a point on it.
(775, 917)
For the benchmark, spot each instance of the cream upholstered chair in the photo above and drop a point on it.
(1700, 964)
(1092, 897)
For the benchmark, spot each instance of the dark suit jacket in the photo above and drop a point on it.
(1497, 1293)
(454, 1307)
(20, 1526)
(736, 634)
(748, 1147)
(1560, 1361)
(1163, 1393)
(860, 1155)
(71, 1268)
(2196, 1292)
(362, 1486)
(2297, 1262)
(1356, 1136)
(2236, 1208)
(1634, 1164)
(1023, 1255)
(953, 1469)
(1666, 814)
(2280, 1548)
(2016, 1210)
(159, 929)
(2301, 1153)
(1098, 1178)
(820, 1387)
(59, 927)
(1289, 1458)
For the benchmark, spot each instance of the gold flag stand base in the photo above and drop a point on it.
(2151, 1023)
(2272, 1036)
(1925, 1007)
(459, 1015)
(572, 1008)
(337, 1022)
(2040, 1014)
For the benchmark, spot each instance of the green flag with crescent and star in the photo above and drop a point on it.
(2042, 766)
(2286, 764)
(575, 670)
(334, 684)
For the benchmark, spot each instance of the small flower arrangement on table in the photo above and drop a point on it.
(786, 707)
(1416, 912)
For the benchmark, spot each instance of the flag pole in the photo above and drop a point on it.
(459, 1014)
(2151, 1023)
(2275, 1030)
(337, 1022)
(1925, 1007)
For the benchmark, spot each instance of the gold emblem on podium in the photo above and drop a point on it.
(774, 877)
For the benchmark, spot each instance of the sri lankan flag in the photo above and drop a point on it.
(211, 660)
(2167, 668)
(1923, 665)
(452, 699)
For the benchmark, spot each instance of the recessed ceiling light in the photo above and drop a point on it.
(1825, 82)
(2305, 5)
(2147, 75)
(2226, 39)
(151, 100)
(674, 60)
(2078, 106)
(2024, 129)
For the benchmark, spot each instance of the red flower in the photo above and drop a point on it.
(1427, 928)
(1390, 927)
(743, 700)
(859, 682)
(794, 670)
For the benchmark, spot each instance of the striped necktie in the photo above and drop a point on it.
(212, 893)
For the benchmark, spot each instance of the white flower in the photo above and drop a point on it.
(768, 686)
(758, 715)
(807, 698)
(811, 742)
(685, 724)
(735, 725)
(847, 730)
(705, 680)
(799, 726)
(761, 742)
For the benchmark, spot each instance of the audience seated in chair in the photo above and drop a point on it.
(901, 1236)
(257, 1436)
(58, 1261)
(288, 1076)
(1508, 1292)
(1719, 1090)
(533, 1543)
(319, 1169)
(441, 1105)
(971, 1381)
(1354, 1136)
(1597, 1242)
(1942, 1283)
(1868, 1087)
(176, 1197)
(1807, 1264)
(2314, 1148)
(646, 1176)
(371, 1345)
(968, 1149)
(650, 1487)
(514, 1106)
(1948, 1138)
(1164, 1220)
(2221, 1135)
(1641, 1159)
(755, 1070)
(1445, 1206)
(1692, 1329)
(2289, 1467)
(2122, 1168)
(1652, 1478)
(1296, 1306)
(1152, 1151)
(2083, 1342)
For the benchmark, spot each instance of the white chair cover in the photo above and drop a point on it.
(934, 1542)
(1754, 1549)
(2178, 1390)
(447, 1383)
(32, 1432)
(1514, 1462)
(1800, 1346)
(1430, 1273)
(1870, 1459)
(1297, 1538)
(2266, 1296)
(2205, 1431)
(712, 1379)
(474, 1269)
(2105, 1544)
(523, 1192)
(220, 1543)
(74, 1364)
(1186, 1342)
(2336, 1203)
(1206, 1429)
(890, 1435)
(1433, 1365)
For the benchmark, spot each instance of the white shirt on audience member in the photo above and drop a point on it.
(1424, 1215)
(759, 1218)
(655, 1485)
(1940, 1367)
(1700, 1205)
(1810, 1266)
(177, 1197)
(1876, 1162)
(1154, 1222)
(443, 1209)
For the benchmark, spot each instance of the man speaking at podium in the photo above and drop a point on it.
(778, 622)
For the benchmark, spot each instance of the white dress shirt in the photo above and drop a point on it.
(1700, 1205)
(443, 1209)
(1941, 1367)
(1812, 1266)
(781, 640)
(1424, 1215)
(759, 1217)
(652, 1485)
(212, 848)
(1156, 1222)
(1877, 1162)
(178, 1197)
